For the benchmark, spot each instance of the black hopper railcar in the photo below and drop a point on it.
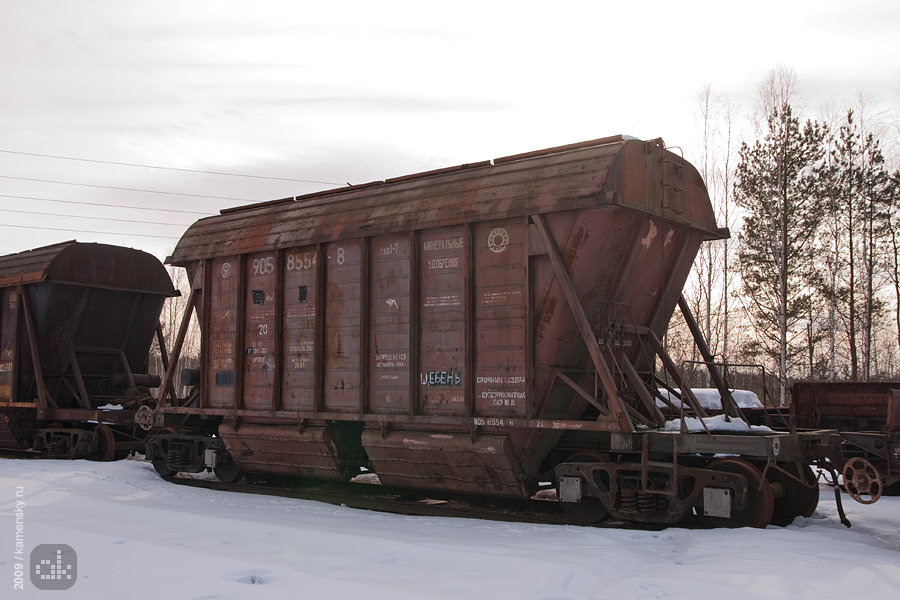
(76, 326)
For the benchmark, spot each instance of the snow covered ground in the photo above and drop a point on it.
(137, 536)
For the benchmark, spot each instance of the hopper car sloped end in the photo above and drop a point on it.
(480, 330)
(76, 326)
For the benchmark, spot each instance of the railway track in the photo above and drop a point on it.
(380, 498)
(13, 453)
(376, 497)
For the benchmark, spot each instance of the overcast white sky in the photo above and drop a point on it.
(339, 92)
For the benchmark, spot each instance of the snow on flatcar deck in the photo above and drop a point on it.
(139, 536)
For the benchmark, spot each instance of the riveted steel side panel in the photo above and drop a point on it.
(260, 355)
(389, 321)
(446, 461)
(500, 326)
(442, 327)
(222, 324)
(8, 316)
(343, 297)
(284, 450)
(848, 406)
(300, 297)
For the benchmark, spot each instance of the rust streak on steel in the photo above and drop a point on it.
(616, 407)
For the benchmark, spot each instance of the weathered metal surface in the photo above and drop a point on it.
(454, 462)
(881, 449)
(283, 450)
(220, 331)
(848, 406)
(9, 324)
(443, 283)
(28, 266)
(862, 481)
(76, 324)
(390, 313)
(782, 447)
(500, 319)
(669, 496)
(342, 350)
(118, 417)
(260, 351)
(893, 412)
(611, 171)
(88, 313)
(301, 299)
(92, 265)
(474, 299)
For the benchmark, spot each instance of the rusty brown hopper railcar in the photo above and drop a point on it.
(467, 330)
(76, 324)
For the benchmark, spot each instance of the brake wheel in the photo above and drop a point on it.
(862, 481)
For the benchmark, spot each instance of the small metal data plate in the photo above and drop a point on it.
(210, 459)
(570, 489)
(717, 502)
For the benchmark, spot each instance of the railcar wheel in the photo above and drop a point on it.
(590, 510)
(106, 445)
(163, 469)
(862, 481)
(229, 473)
(797, 499)
(760, 501)
(159, 464)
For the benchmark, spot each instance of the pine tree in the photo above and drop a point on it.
(875, 207)
(776, 187)
(893, 196)
(856, 184)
